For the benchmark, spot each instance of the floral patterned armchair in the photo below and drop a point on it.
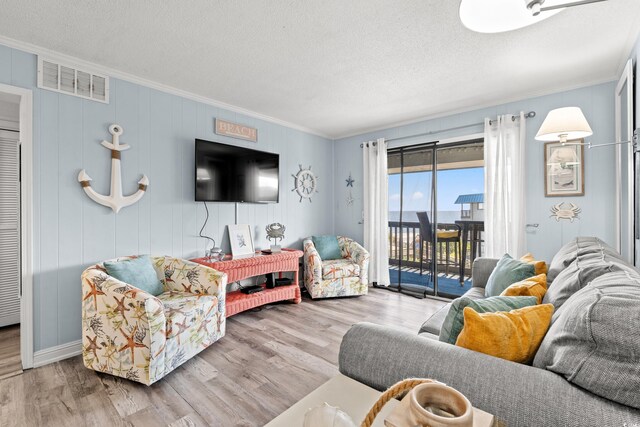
(338, 277)
(132, 334)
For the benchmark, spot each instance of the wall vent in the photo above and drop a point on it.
(65, 78)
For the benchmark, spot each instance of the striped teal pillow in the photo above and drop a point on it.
(454, 322)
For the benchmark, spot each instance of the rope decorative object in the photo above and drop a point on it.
(398, 389)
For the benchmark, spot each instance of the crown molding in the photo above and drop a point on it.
(491, 104)
(121, 75)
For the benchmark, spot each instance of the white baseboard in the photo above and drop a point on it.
(59, 352)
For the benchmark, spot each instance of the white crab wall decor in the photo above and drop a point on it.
(305, 183)
(565, 211)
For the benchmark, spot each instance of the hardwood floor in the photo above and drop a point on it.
(267, 361)
(10, 363)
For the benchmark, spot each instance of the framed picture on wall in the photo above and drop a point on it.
(241, 241)
(564, 168)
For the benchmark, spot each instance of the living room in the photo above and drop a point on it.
(232, 213)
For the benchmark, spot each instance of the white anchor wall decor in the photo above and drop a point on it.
(115, 200)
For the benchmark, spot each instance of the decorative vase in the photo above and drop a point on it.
(432, 404)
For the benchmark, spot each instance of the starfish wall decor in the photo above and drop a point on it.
(350, 181)
(350, 199)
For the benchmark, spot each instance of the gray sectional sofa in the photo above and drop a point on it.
(585, 373)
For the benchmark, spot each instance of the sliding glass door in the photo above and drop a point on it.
(410, 198)
(436, 222)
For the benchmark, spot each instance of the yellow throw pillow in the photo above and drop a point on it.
(535, 286)
(540, 266)
(514, 335)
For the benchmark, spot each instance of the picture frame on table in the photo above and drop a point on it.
(241, 240)
(564, 168)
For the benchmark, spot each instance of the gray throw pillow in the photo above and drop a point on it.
(507, 272)
(454, 322)
(594, 341)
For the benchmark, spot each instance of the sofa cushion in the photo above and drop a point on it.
(428, 336)
(570, 251)
(585, 268)
(433, 324)
(474, 292)
(136, 271)
(327, 247)
(339, 268)
(454, 320)
(507, 272)
(594, 341)
(184, 311)
(514, 335)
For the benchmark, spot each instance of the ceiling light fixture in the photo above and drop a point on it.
(497, 16)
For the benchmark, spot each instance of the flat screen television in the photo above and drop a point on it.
(226, 173)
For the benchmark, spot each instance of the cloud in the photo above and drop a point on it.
(417, 195)
(395, 197)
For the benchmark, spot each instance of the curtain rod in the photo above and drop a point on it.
(513, 117)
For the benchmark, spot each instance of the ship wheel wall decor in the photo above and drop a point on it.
(305, 183)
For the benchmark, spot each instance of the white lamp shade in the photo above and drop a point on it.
(563, 124)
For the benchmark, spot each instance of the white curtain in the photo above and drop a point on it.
(504, 185)
(376, 210)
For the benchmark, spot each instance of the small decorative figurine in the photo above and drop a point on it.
(275, 231)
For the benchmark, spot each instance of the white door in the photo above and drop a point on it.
(9, 228)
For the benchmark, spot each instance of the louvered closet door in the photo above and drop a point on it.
(9, 229)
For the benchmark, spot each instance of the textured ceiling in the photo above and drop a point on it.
(336, 67)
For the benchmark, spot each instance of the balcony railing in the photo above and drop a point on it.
(406, 243)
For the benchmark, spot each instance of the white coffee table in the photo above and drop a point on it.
(352, 397)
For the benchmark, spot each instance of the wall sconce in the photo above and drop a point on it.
(569, 123)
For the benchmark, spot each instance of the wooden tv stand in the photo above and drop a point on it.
(257, 265)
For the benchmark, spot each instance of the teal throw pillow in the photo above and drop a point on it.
(137, 272)
(454, 322)
(327, 247)
(507, 272)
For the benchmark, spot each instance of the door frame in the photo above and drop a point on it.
(26, 221)
(625, 83)
(434, 145)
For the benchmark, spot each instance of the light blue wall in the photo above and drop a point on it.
(597, 217)
(72, 232)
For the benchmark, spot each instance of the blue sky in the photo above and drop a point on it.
(451, 184)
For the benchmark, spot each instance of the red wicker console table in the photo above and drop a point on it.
(257, 265)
